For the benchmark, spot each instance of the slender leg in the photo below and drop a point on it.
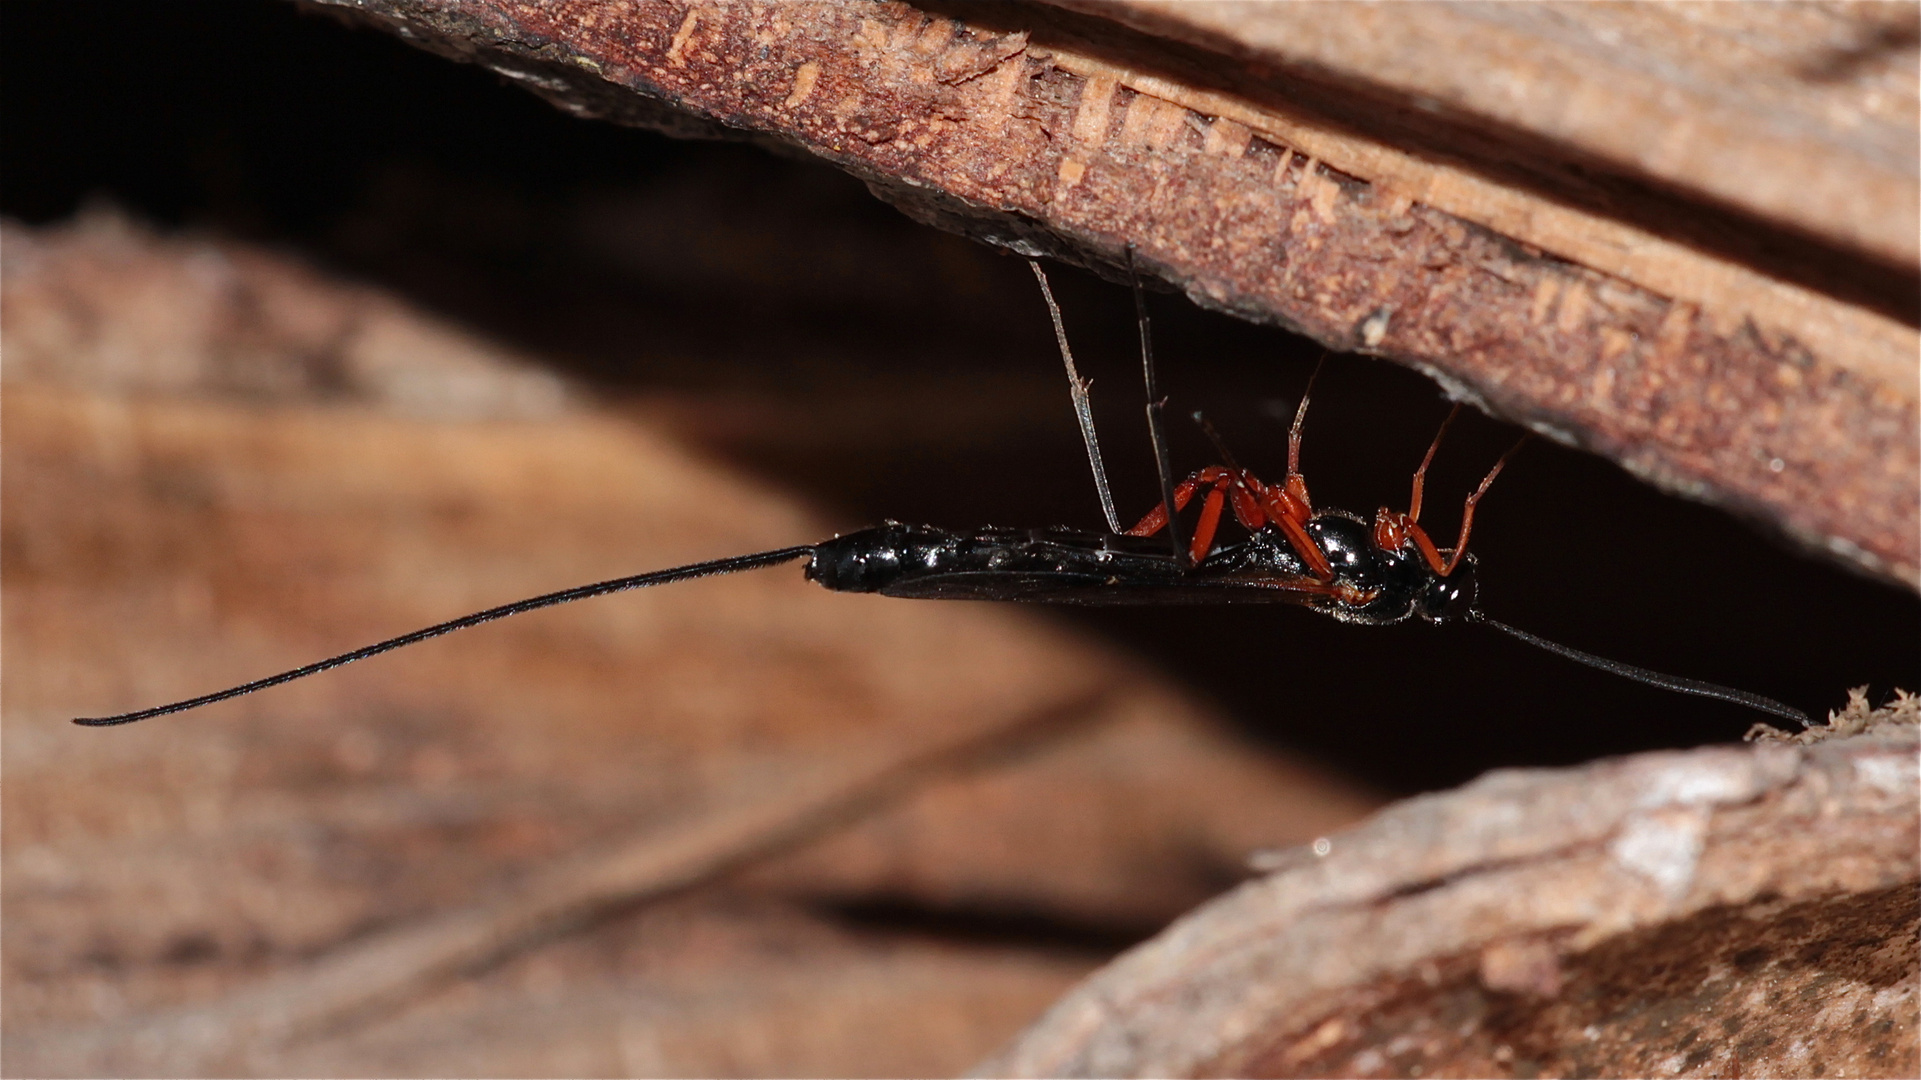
(1157, 518)
(1220, 480)
(1393, 530)
(1247, 504)
(1425, 545)
(1287, 507)
(1420, 474)
(1303, 544)
(1247, 488)
(1467, 511)
(1163, 462)
(1083, 409)
(1286, 504)
(1209, 523)
(1225, 488)
(1300, 420)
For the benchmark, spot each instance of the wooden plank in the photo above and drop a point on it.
(1044, 131)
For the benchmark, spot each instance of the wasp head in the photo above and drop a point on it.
(1448, 598)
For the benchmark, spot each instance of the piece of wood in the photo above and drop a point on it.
(1729, 911)
(1703, 367)
(1806, 117)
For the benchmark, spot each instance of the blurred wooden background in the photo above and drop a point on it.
(347, 339)
(221, 463)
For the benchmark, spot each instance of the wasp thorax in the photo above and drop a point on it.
(1348, 544)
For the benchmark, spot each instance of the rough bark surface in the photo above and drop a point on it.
(1804, 116)
(1721, 912)
(1047, 131)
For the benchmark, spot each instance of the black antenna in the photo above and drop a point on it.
(1156, 406)
(582, 592)
(1651, 678)
(1083, 409)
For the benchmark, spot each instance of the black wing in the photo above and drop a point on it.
(1073, 587)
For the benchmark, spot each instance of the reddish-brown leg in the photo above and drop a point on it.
(1287, 504)
(1300, 420)
(1209, 523)
(1429, 553)
(1247, 487)
(1156, 519)
(1247, 503)
(1291, 517)
(1420, 474)
(1296, 534)
(1390, 529)
(1467, 511)
(1216, 476)
(1394, 530)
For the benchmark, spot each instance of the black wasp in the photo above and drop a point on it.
(1374, 572)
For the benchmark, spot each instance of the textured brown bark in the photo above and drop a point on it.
(1803, 116)
(1718, 912)
(1045, 131)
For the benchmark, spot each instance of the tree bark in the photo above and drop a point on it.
(1701, 335)
(1730, 911)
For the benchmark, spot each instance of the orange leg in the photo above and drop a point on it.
(1209, 523)
(1247, 504)
(1287, 504)
(1247, 488)
(1255, 504)
(1246, 510)
(1300, 420)
(1156, 519)
(1227, 487)
(1290, 501)
(1296, 534)
(1392, 530)
(1294, 491)
(1291, 516)
(1287, 511)
(1420, 474)
(1429, 553)
(1467, 511)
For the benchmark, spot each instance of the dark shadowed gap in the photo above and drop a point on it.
(991, 928)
